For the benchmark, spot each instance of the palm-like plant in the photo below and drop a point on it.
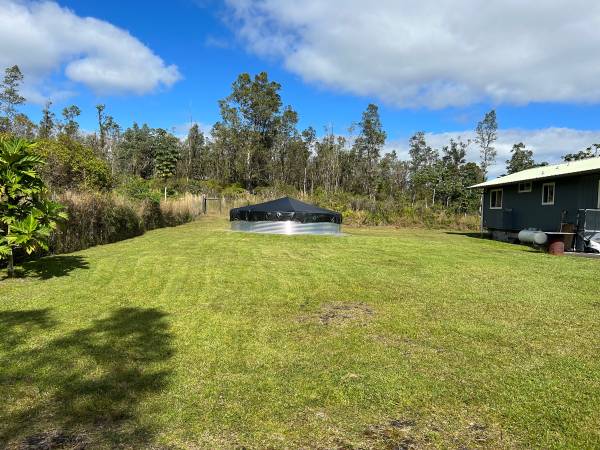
(27, 217)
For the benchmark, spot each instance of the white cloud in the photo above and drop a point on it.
(548, 144)
(43, 38)
(433, 54)
(181, 130)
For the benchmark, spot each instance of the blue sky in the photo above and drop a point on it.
(332, 60)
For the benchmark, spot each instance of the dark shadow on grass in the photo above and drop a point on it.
(82, 389)
(51, 266)
(18, 326)
(471, 234)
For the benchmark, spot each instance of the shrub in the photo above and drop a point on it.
(139, 189)
(72, 165)
(233, 191)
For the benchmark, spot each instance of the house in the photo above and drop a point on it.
(561, 197)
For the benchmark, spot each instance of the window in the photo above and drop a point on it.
(496, 199)
(524, 187)
(548, 194)
(598, 204)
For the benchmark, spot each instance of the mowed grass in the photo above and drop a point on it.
(198, 337)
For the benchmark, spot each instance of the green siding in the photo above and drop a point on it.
(525, 210)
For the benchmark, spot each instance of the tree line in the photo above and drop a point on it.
(257, 143)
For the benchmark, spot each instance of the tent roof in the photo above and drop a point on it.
(556, 170)
(285, 208)
(286, 204)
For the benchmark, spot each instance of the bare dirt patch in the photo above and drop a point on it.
(52, 440)
(407, 434)
(340, 313)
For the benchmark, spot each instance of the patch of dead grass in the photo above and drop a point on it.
(339, 313)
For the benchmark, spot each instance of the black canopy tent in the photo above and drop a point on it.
(285, 216)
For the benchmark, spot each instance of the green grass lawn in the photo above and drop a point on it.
(197, 337)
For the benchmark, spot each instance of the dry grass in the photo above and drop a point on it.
(182, 209)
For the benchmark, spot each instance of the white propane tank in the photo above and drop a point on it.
(533, 237)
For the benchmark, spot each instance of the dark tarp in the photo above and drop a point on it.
(285, 208)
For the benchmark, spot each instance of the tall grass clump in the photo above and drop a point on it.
(95, 218)
(176, 211)
(101, 218)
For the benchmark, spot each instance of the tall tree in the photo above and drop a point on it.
(284, 146)
(46, 126)
(102, 121)
(10, 97)
(70, 126)
(423, 158)
(252, 112)
(327, 160)
(521, 159)
(452, 184)
(486, 134)
(135, 153)
(193, 157)
(23, 127)
(309, 138)
(369, 145)
(166, 151)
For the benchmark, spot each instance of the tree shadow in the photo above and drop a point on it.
(17, 326)
(83, 389)
(51, 266)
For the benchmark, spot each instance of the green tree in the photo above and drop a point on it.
(326, 161)
(193, 156)
(27, 217)
(452, 182)
(70, 126)
(46, 126)
(135, 152)
(422, 160)
(70, 164)
(309, 138)
(486, 134)
(591, 152)
(369, 145)
(10, 97)
(251, 116)
(23, 127)
(521, 159)
(166, 151)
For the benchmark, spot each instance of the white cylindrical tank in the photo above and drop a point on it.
(533, 237)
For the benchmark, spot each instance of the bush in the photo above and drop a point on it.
(139, 189)
(234, 191)
(72, 165)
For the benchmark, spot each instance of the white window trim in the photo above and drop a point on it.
(501, 199)
(523, 191)
(553, 194)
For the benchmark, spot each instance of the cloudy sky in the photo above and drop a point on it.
(436, 66)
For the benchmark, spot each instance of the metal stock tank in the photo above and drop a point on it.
(285, 216)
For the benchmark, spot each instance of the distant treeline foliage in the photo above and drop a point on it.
(257, 147)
